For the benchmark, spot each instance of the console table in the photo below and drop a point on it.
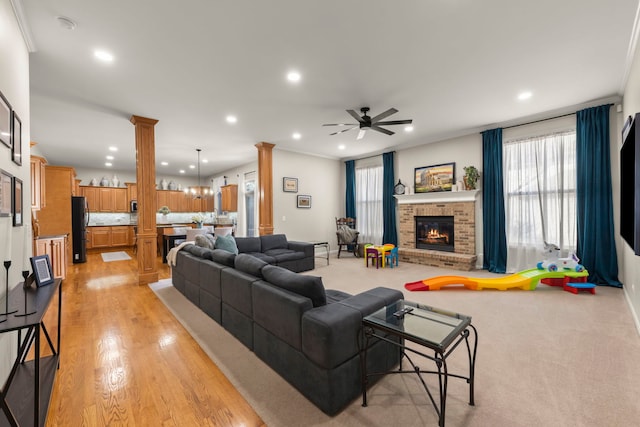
(25, 395)
(434, 329)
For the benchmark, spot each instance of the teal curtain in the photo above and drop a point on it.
(389, 233)
(596, 241)
(493, 220)
(350, 196)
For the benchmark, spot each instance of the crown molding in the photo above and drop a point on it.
(18, 10)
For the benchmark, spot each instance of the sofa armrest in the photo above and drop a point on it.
(305, 247)
(331, 334)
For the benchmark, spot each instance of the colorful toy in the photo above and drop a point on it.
(555, 263)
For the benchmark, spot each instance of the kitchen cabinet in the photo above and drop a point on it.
(38, 182)
(133, 190)
(91, 196)
(162, 198)
(120, 236)
(56, 248)
(229, 198)
(106, 199)
(100, 237)
(109, 236)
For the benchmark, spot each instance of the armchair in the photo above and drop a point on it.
(347, 235)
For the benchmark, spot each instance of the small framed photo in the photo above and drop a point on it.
(290, 185)
(17, 202)
(42, 270)
(16, 139)
(6, 195)
(5, 121)
(304, 201)
(434, 178)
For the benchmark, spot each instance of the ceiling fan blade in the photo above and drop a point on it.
(340, 124)
(343, 130)
(383, 130)
(381, 116)
(355, 116)
(361, 133)
(395, 122)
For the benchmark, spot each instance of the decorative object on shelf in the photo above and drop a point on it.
(5, 121)
(304, 201)
(6, 186)
(197, 192)
(7, 265)
(399, 188)
(164, 184)
(93, 182)
(164, 210)
(173, 186)
(434, 178)
(115, 181)
(471, 176)
(17, 202)
(16, 139)
(42, 270)
(179, 187)
(460, 186)
(198, 219)
(290, 185)
(28, 280)
(104, 182)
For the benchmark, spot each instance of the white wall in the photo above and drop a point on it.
(236, 176)
(14, 84)
(630, 263)
(320, 178)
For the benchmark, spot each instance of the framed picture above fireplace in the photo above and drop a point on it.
(428, 179)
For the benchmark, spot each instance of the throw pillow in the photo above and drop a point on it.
(301, 284)
(227, 243)
(205, 240)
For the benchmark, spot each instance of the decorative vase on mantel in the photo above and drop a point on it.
(116, 181)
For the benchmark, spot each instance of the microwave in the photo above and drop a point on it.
(134, 206)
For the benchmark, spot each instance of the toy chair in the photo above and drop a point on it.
(390, 256)
(373, 254)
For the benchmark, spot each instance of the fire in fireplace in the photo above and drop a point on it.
(435, 233)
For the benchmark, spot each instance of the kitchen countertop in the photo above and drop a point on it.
(52, 236)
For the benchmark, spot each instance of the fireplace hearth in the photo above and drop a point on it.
(435, 233)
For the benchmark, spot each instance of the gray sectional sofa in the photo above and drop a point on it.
(275, 249)
(306, 333)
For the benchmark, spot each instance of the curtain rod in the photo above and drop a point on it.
(374, 155)
(541, 120)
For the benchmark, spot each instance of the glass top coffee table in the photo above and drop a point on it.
(431, 328)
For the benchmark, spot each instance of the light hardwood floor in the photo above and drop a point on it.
(125, 360)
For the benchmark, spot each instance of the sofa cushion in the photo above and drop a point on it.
(264, 257)
(198, 251)
(273, 241)
(227, 243)
(248, 244)
(205, 241)
(282, 255)
(308, 286)
(250, 265)
(222, 257)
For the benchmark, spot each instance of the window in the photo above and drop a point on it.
(369, 203)
(540, 197)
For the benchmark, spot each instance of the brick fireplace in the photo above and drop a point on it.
(458, 205)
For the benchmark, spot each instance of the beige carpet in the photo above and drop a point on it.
(545, 357)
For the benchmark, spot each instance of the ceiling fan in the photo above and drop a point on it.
(365, 122)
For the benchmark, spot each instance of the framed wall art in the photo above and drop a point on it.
(16, 139)
(290, 185)
(17, 202)
(434, 178)
(6, 197)
(5, 121)
(42, 270)
(304, 201)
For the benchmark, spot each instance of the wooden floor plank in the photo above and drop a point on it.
(125, 360)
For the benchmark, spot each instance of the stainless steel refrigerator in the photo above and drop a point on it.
(79, 221)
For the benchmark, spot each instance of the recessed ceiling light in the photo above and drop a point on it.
(294, 76)
(524, 95)
(66, 23)
(341, 147)
(408, 129)
(192, 166)
(296, 135)
(103, 55)
(110, 157)
(108, 164)
(232, 119)
(205, 161)
(112, 148)
(164, 163)
(181, 170)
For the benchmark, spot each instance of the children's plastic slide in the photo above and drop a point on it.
(527, 280)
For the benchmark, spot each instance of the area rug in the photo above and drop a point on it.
(114, 256)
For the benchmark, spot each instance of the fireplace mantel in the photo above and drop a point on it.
(439, 197)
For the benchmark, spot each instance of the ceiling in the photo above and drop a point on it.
(453, 66)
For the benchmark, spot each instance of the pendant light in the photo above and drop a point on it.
(197, 192)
